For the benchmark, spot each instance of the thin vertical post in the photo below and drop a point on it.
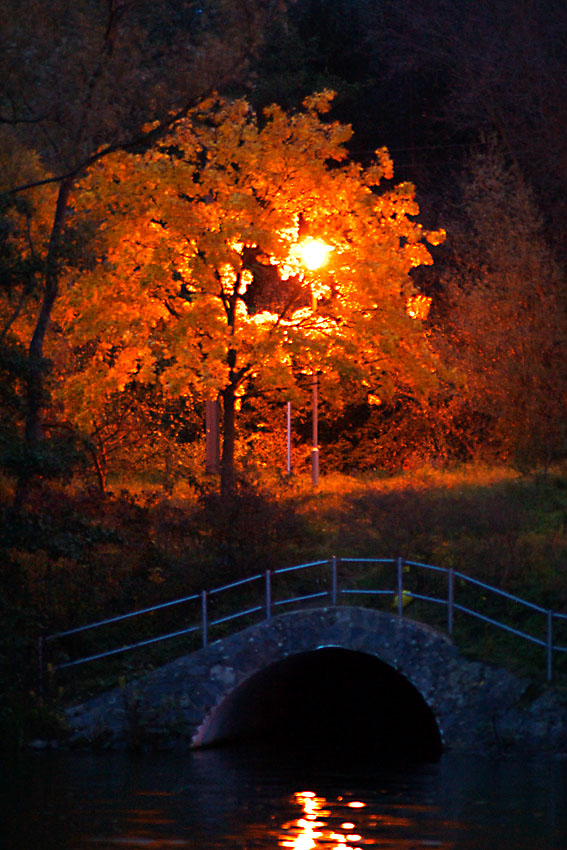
(288, 440)
(334, 580)
(450, 599)
(315, 449)
(268, 594)
(400, 568)
(204, 616)
(549, 645)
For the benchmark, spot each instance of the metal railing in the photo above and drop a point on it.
(256, 596)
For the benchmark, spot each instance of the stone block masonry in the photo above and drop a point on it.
(476, 706)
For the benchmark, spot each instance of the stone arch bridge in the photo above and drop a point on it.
(337, 675)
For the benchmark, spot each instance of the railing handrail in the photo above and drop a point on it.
(119, 617)
(333, 592)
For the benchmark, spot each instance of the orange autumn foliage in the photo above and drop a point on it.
(200, 286)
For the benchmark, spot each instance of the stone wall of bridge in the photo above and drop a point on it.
(195, 699)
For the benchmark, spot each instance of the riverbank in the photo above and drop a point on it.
(73, 558)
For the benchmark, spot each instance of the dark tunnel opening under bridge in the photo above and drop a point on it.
(329, 702)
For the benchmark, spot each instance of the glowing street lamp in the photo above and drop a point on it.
(313, 254)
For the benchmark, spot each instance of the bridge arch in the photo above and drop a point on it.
(403, 666)
(332, 701)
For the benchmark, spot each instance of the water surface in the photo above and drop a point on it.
(241, 798)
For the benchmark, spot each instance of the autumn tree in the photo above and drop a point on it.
(80, 80)
(505, 324)
(202, 287)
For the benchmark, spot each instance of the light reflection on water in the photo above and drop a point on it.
(245, 801)
(344, 824)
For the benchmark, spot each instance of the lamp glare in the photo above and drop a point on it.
(314, 253)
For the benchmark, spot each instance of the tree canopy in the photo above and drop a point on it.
(200, 284)
(80, 80)
(130, 184)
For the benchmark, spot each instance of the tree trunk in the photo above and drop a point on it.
(229, 439)
(101, 467)
(35, 395)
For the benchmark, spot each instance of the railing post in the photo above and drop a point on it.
(450, 599)
(334, 580)
(400, 568)
(204, 616)
(268, 594)
(549, 645)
